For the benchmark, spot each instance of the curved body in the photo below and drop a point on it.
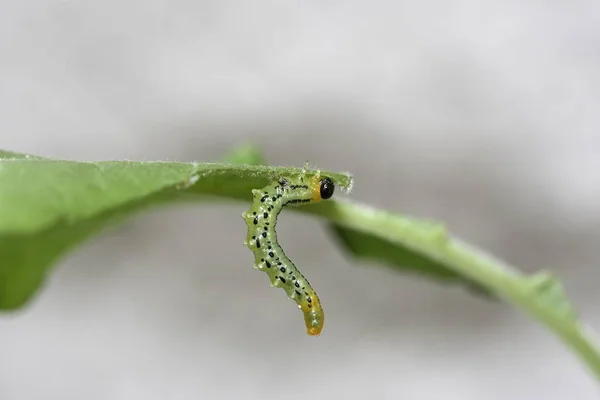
(269, 257)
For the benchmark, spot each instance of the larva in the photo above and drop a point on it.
(269, 257)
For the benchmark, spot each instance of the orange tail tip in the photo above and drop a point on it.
(314, 331)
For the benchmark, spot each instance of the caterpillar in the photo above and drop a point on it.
(269, 257)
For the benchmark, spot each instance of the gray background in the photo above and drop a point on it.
(484, 115)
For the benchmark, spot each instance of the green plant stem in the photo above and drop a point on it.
(497, 276)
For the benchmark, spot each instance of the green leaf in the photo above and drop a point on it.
(400, 258)
(11, 155)
(540, 295)
(48, 206)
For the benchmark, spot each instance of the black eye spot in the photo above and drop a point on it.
(327, 188)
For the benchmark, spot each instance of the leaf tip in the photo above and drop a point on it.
(347, 188)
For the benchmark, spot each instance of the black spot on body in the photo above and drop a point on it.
(282, 269)
(266, 215)
(294, 187)
(268, 264)
(296, 201)
(265, 197)
(264, 234)
(257, 243)
(271, 254)
(256, 220)
(297, 285)
(282, 279)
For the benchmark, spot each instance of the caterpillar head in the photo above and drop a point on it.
(326, 188)
(322, 187)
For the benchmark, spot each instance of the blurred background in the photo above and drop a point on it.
(484, 115)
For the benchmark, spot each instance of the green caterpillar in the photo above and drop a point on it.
(269, 257)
